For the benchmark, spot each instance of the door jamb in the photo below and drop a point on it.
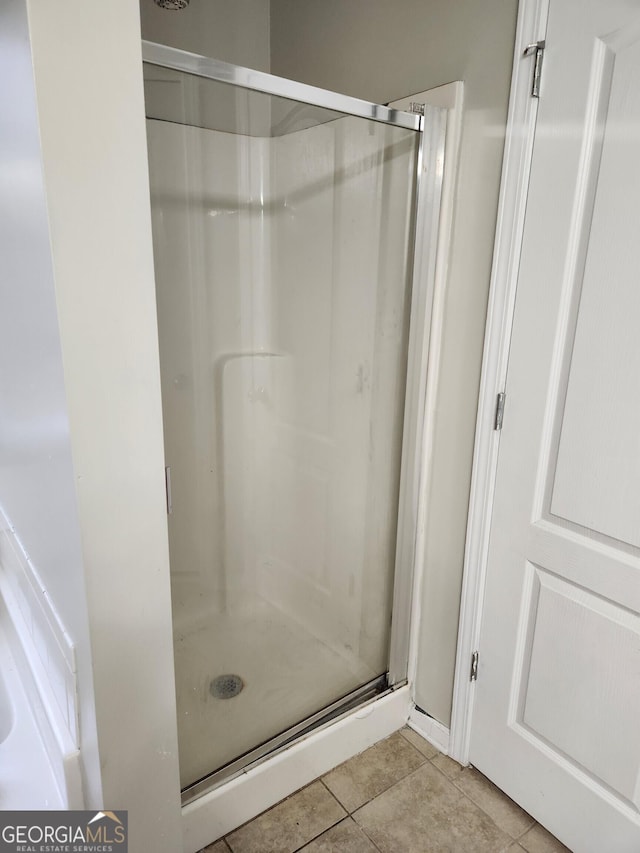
(449, 96)
(518, 152)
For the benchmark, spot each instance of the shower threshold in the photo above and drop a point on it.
(358, 698)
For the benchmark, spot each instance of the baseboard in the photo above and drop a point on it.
(436, 733)
(228, 807)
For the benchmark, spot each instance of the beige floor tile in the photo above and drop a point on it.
(290, 824)
(504, 812)
(216, 847)
(426, 813)
(538, 840)
(346, 837)
(447, 765)
(364, 777)
(419, 742)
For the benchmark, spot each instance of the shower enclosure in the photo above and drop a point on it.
(290, 344)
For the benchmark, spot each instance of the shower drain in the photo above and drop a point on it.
(226, 686)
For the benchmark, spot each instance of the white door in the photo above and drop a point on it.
(557, 715)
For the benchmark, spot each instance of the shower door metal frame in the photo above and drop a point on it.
(431, 124)
(270, 84)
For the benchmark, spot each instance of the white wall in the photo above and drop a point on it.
(37, 482)
(234, 31)
(383, 51)
(88, 75)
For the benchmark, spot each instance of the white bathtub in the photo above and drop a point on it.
(27, 780)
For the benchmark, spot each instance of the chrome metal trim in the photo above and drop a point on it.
(537, 49)
(427, 213)
(499, 410)
(473, 673)
(260, 81)
(356, 699)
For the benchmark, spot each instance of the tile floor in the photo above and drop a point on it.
(400, 796)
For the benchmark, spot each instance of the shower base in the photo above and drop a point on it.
(288, 674)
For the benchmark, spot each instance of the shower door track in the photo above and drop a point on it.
(356, 699)
(430, 122)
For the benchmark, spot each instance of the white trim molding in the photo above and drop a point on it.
(450, 96)
(430, 729)
(520, 131)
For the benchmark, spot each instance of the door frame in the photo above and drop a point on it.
(520, 132)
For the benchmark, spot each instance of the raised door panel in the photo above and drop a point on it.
(595, 687)
(598, 463)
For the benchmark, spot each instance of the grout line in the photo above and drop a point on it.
(528, 829)
(320, 834)
(510, 840)
(408, 728)
(391, 787)
(327, 788)
(466, 796)
(515, 838)
(399, 779)
(366, 834)
(413, 746)
(335, 823)
(224, 841)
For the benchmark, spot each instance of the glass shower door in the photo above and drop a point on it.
(282, 242)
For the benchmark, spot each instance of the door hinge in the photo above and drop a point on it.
(167, 487)
(473, 675)
(416, 108)
(536, 49)
(499, 410)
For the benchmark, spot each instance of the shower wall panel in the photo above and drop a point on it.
(209, 247)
